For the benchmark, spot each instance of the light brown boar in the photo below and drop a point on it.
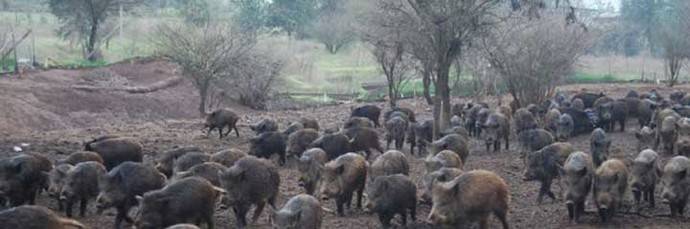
(578, 173)
(342, 177)
(610, 184)
(81, 156)
(35, 217)
(469, 197)
(389, 163)
(228, 157)
(444, 159)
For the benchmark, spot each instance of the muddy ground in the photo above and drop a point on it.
(162, 134)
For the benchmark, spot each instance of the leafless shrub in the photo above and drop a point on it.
(534, 55)
(214, 53)
(674, 36)
(334, 31)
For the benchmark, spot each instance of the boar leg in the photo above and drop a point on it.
(385, 220)
(501, 214)
(484, 222)
(413, 212)
(339, 202)
(240, 215)
(122, 216)
(258, 210)
(68, 209)
(650, 194)
(237, 132)
(545, 189)
(82, 206)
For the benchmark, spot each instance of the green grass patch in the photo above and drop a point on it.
(588, 78)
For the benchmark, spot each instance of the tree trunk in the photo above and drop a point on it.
(91, 43)
(437, 116)
(203, 96)
(442, 89)
(392, 94)
(426, 81)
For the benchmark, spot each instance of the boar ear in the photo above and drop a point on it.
(340, 169)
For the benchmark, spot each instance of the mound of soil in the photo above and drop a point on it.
(64, 99)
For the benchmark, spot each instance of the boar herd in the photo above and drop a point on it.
(186, 185)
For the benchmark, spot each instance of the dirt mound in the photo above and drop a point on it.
(121, 93)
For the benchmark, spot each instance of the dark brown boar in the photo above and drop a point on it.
(543, 165)
(81, 184)
(578, 172)
(267, 144)
(610, 184)
(165, 163)
(389, 163)
(645, 138)
(392, 195)
(309, 123)
(443, 159)
(335, 144)
(21, 177)
(524, 120)
(120, 186)
(354, 122)
(189, 200)
(228, 157)
(551, 120)
(115, 151)
(676, 184)
(372, 112)
(206, 170)
(263, 126)
(453, 142)
(251, 181)
(221, 118)
(300, 141)
(81, 156)
(534, 139)
(668, 134)
(396, 128)
(599, 144)
(341, 178)
(441, 175)
(364, 139)
(302, 211)
(421, 133)
(188, 160)
(565, 127)
(309, 165)
(644, 174)
(56, 180)
(496, 128)
(472, 196)
(35, 217)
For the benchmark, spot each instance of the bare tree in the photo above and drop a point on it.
(437, 33)
(534, 55)
(205, 54)
(85, 18)
(674, 38)
(334, 30)
(257, 74)
(389, 51)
